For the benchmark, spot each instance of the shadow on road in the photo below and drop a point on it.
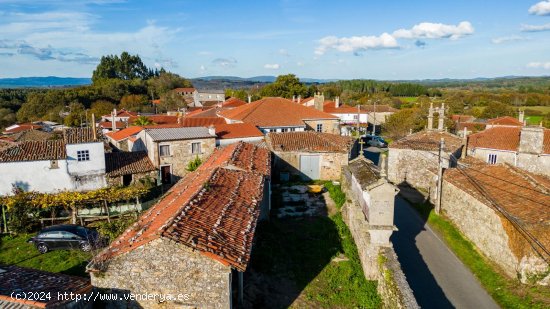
(426, 290)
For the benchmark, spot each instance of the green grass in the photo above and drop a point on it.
(533, 120)
(14, 250)
(542, 109)
(508, 293)
(302, 250)
(408, 99)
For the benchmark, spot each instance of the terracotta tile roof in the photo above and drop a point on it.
(428, 141)
(157, 101)
(274, 112)
(34, 151)
(80, 135)
(31, 135)
(309, 141)
(184, 89)
(109, 125)
(330, 107)
(233, 102)
(505, 121)
(213, 209)
(237, 130)
(201, 122)
(502, 138)
(192, 112)
(5, 143)
(206, 113)
(127, 163)
(524, 195)
(122, 113)
(19, 279)
(124, 133)
(546, 142)
(16, 128)
(471, 126)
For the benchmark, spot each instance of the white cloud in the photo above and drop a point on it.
(274, 66)
(539, 65)
(542, 8)
(535, 28)
(225, 62)
(356, 43)
(508, 39)
(284, 52)
(435, 31)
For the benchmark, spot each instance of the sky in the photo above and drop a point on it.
(385, 40)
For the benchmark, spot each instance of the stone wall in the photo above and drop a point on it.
(491, 233)
(392, 283)
(117, 181)
(330, 169)
(181, 155)
(331, 126)
(164, 267)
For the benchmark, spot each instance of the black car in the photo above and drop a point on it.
(66, 236)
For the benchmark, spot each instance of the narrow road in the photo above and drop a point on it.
(436, 276)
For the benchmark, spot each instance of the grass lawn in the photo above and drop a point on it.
(311, 262)
(508, 293)
(14, 250)
(408, 99)
(543, 109)
(533, 120)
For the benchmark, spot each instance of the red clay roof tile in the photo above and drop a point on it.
(309, 141)
(237, 130)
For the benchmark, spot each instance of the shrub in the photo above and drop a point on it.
(114, 228)
(194, 164)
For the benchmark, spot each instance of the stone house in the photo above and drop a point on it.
(121, 139)
(350, 114)
(20, 286)
(489, 202)
(282, 115)
(310, 155)
(126, 168)
(414, 158)
(525, 147)
(119, 116)
(227, 134)
(195, 243)
(171, 149)
(76, 163)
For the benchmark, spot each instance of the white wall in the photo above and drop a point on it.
(229, 141)
(34, 176)
(351, 118)
(502, 156)
(280, 129)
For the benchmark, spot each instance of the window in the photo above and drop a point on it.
(319, 127)
(355, 117)
(292, 129)
(284, 130)
(164, 150)
(492, 159)
(195, 147)
(83, 155)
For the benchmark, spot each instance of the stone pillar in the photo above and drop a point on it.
(431, 117)
(531, 140)
(337, 102)
(441, 118)
(319, 101)
(521, 116)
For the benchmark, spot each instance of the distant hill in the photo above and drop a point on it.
(43, 82)
(263, 79)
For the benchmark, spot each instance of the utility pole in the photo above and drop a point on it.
(358, 117)
(439, 190)
(374, 120)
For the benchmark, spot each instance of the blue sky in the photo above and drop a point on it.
(317, 39)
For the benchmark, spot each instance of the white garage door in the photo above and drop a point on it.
(309, 166)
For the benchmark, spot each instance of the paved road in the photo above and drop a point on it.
(436, 276)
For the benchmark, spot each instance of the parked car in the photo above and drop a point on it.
(67, 236)
(376, 141)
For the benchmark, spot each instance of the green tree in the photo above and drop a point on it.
(165, 82)
(143, 121)
(285, 86)
(401, 122)
(496, 109)
(133, 102)
(101, 107)
(77, 115)
(7, 117)
(171, 101)
(125, 67)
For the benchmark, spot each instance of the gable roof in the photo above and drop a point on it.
(201, 122)
(15, 278)
(34, 151)
(124, 133)
(218, 220)
(109, 125)
(205, 113)
(157, 119)
(16, 128)
(233, 102)
(428, 141)
(188, 89)
(274, 112)
(503, 138)
(127, 163)
(237, 130)
(505, 121)
(30, 135)
(309, 141)
(172, 134)
(80, 135)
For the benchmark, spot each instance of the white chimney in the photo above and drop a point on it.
(299, 99)
(337, 102)
(212, 130)
(521, 116)
(294, 98)
(249, 99)
(431, 117)
(113, 121)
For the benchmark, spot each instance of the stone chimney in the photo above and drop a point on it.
(336, 102)
(212, 130)
(113, 120)
(441, 117)
(299, 99)
(431, 117)
(521, 116)
(531, 140)
(319, 101)
(249, 99)
(294, 98)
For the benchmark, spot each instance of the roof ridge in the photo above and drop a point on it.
(528, 178)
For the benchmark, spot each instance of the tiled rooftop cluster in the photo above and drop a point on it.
(80, 135)
(213, 210)
(309, 141)
(503, 138)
